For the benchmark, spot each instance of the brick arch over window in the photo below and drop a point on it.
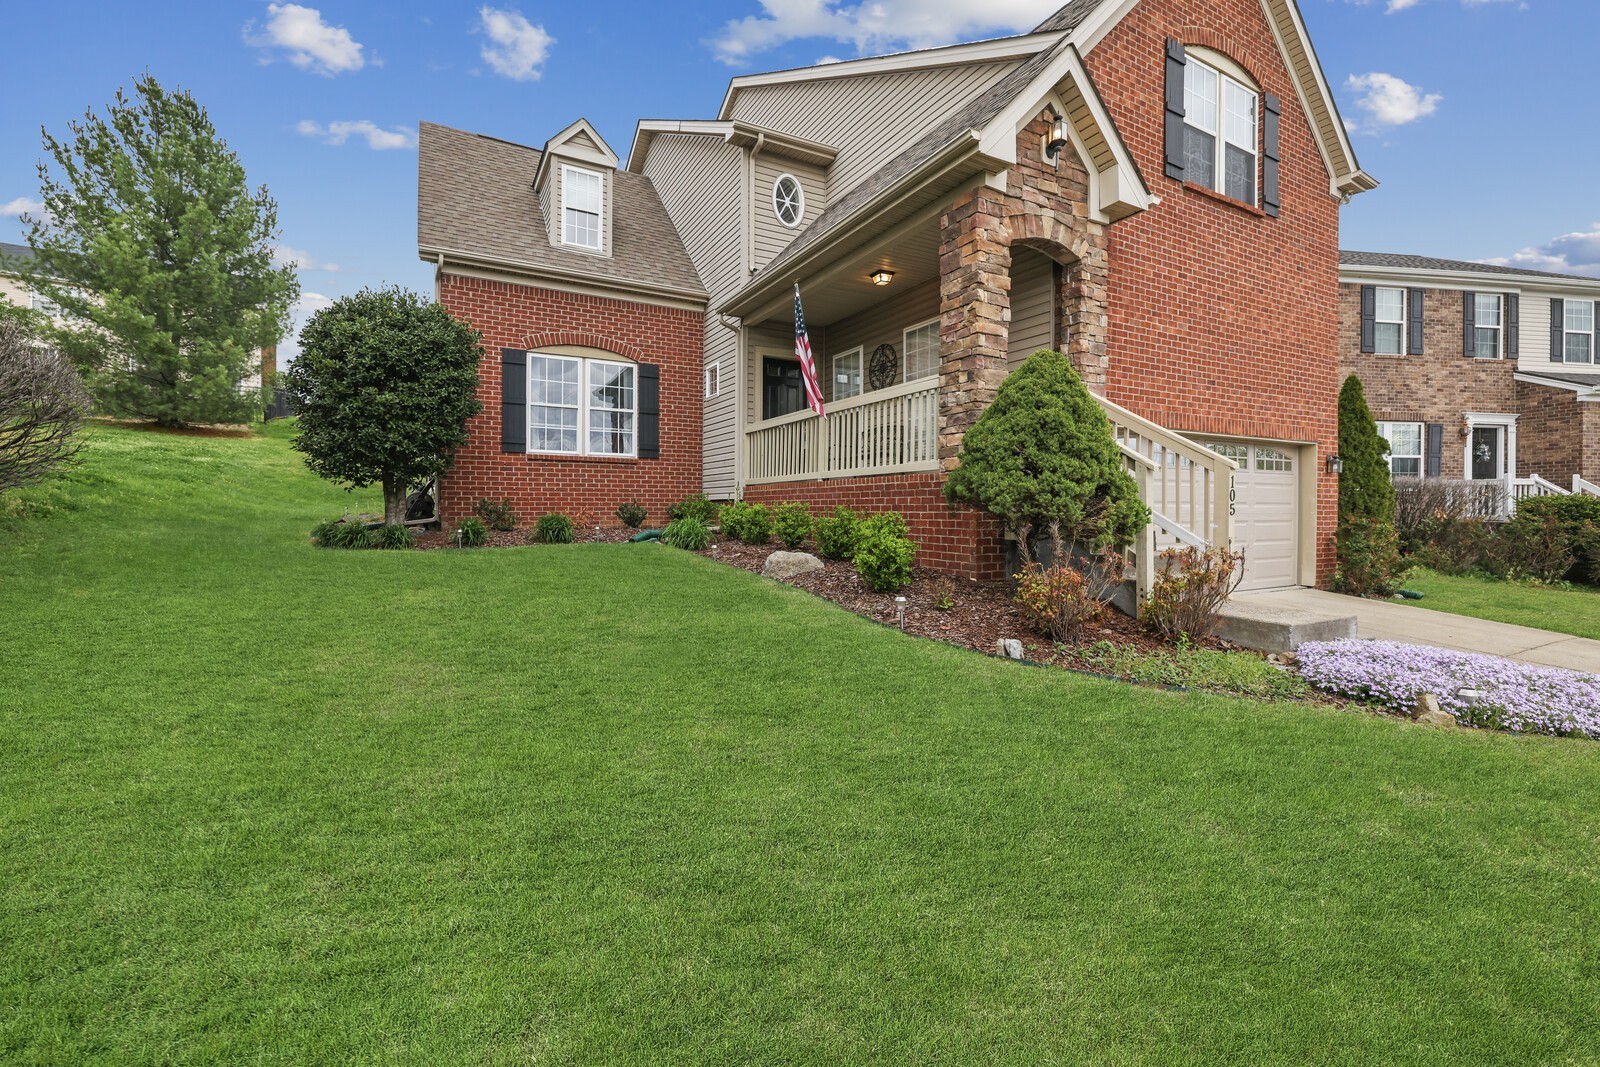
(535, 341)
(1201, 37)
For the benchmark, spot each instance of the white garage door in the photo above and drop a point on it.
(1266, 515)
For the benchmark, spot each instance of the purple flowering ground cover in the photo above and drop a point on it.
(1513, 696)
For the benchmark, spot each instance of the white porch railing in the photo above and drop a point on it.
(890, 431)
(1190, 487)
(1583, 485)
(1520, 489)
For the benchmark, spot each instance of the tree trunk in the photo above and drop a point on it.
(394, 500)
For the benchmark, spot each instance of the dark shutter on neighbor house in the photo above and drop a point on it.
(1558, 326)
(649, 411)
(1272, 109)
(1469, 324)
(1369, 319)
(1513, 326)
(1175, 110)
(513, 400)
(1435, 457)
(1414, 321)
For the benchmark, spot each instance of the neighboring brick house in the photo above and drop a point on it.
(1476, 372)
(1152, 187)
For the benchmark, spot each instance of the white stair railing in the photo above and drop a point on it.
(1583, 485)
(1190, 487)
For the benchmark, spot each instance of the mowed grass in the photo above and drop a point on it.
(269, 804)
(1573, 611)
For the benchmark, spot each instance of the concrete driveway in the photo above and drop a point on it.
(1387, 620)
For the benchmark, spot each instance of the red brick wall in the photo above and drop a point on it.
(1222, 320)
(945, 538)
(1557, 436)
(589, 490)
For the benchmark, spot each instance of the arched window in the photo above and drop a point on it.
(1221, 128)
(788, 200)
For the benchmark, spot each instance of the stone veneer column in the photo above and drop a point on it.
(975, 304)
(1083, 313)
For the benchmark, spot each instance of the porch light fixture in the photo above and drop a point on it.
(1057, 140)
(1335, 464)
(882, 276)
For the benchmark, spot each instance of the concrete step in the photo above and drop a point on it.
(1269, 623)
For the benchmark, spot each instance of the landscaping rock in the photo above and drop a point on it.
(1428, 711)
(1009, 648)
(785, 565)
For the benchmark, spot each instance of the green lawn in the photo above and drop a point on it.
(1573, 611)
(616, 804)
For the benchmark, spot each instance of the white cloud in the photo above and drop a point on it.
(310, 43)
(517, 48)
(22, 205)
(378, 138)
(285, 256)
(1571, 253)
(1389, 101)
(300, 313)
(875, 25)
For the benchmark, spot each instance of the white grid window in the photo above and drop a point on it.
(1405, 447)
(1221, 128)
(1390, 334)
(1270, 459)
(922, 350)
(1579, 331)
(582, 201)
(1240, 454)
(554, 403)
(713, 381)
(847, 374)
(788, 200)
(611, 405)
(1486, 336)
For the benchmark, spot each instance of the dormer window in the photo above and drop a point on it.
(1220, 131)
(582, 207)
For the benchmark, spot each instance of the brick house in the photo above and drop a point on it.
(1476, 372)
(1141, 185)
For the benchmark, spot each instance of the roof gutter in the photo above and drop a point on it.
(1351, 274)
(622, 287)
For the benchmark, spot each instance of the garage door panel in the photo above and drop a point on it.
(1266, 512)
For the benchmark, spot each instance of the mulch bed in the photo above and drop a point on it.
(582, 535)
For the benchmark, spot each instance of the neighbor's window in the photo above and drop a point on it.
(1405, 447)
(1220, 131)
(1580, 331)
(847, 375)
(1391, 322)
(922, 350)
(559, 403)
(582, 197)
(788, 200)
(45, 306)
(1487, 337)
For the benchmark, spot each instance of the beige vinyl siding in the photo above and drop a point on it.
(12, 291)
(883, 323)
(1533, 343)
(550, 203)
(870, 118)
(1032, 315)
(698, 180)
(770, 235)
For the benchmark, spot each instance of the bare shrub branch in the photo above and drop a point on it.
(42, 404)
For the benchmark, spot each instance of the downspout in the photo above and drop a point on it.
(741, 402)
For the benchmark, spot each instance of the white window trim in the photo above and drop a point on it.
(905, 349)
(860, 353)
(1508, 442)
(1404, 323)
(1220, 162)
(1589, 333)
(1421, 455)
(800, 193)
(584, 363)
(1499, 330)
(600, 227)
(713, 380)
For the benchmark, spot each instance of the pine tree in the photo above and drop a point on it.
(1042, 457)
(160, 255)
(1366, 490)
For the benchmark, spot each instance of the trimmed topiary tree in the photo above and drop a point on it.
(1366, 490)
(1043, 459)
(384, 385)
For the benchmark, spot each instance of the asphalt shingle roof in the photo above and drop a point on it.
(1389, 259)
(1572, 378)
(475, 195)
(1070, 17)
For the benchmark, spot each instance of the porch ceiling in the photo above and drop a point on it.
(846, 288)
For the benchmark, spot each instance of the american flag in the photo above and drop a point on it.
(808, 364)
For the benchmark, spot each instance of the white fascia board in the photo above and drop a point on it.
(647, 129)
(1431, 278)
(605, 159)
(1585, 392)
(1023, 46)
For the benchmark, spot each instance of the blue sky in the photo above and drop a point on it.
(1477, 115)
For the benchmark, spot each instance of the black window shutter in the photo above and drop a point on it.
(1513, 326)
(1435, 458)
(1175, 110)
(1272, 108)
(513, 400)
(1415, 321)
(1469, 324)
(1369, 319)
(649, 411)
(1558, 328)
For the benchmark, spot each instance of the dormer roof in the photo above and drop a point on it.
(579, 143)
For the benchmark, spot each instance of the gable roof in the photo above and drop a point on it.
(1391, 261)
(581, 143)
(1070, 17)
(476, 204)
(11, 254)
